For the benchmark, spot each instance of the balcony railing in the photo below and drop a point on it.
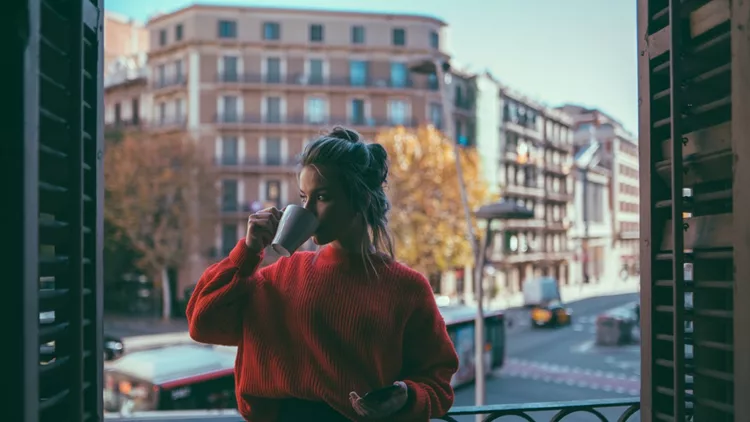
(300, 79)
(233, 161)
(169, 122)
(174, 80)
(302, 120)
(609, 410)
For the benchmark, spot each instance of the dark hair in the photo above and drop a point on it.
(364, 172)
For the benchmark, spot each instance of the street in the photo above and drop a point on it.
(544, 364)
(562, 364)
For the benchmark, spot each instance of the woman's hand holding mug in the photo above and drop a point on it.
(261, 228)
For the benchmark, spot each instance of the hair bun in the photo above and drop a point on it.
(345, 134)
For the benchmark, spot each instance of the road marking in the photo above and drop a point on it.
(572, 376)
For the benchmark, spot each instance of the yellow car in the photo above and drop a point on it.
(551, 314)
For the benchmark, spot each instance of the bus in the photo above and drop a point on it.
(182, 377)
(460, 321)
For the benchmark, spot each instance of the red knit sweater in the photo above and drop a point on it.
(316, 328)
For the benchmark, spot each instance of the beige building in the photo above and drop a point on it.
(124, 39)
(254, 85)
(527, 157)
(619, 153)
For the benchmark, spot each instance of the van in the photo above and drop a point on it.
(540, 290)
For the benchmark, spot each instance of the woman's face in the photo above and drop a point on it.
(323, 193)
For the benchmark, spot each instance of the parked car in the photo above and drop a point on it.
(551, 314)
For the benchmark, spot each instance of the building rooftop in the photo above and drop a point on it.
(300, 11)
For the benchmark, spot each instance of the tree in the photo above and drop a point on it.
(157, 189)
(427, 220)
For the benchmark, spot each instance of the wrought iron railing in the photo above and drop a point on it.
(622, 410)
(608, 410)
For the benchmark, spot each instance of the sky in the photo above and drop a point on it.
(557, 51)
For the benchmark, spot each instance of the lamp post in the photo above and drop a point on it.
(439, 68)
(502, 210)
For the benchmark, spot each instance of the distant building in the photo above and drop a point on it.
(254, 85)
(619, 154)
(527, 156)
(591, 231)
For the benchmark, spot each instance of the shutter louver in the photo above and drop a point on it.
(70, 201)
(686, 96)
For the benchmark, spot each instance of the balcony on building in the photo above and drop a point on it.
(169, 81)
(168, 123)
(315, 81)
(267, 165)
(307, 122)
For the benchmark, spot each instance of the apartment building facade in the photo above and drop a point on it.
(254, 85)
(526, 149)
(591, 230)
(619, 154)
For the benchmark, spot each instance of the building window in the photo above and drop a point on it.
(227, 29)
(397, 112)
(136, 111)
(230, 71)
(228, 237)
(273, 151)
(273, 70)
(432, 82)
(399, 75)
(271, 31)
(179, 112)
(178, 77)
(230, 150)
(162, 113)
(436, 115)
(273, 109)
(316, 33)
(358, 73)
(273, 192)
(229, 195)
(434, 40)
(161, 75)
(358, 112)
(316, 110)
(178, 32)
(460, 136)
(163, 37)
(399, 36)
(231, 109)
(118, 114)
(315, 75)
(358, 34)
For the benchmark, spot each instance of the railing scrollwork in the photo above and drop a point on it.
(563, 409)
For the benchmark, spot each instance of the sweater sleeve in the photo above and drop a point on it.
(216, 307)
(430, 360)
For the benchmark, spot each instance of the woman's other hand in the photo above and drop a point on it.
(378, 409)
(261, 228)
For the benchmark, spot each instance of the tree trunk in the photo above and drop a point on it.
(166, 295)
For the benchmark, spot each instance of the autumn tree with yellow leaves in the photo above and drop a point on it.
(156, 191)
(427, 218)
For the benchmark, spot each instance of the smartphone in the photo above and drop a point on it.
(381, 394)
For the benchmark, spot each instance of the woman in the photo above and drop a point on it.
(315, 329)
